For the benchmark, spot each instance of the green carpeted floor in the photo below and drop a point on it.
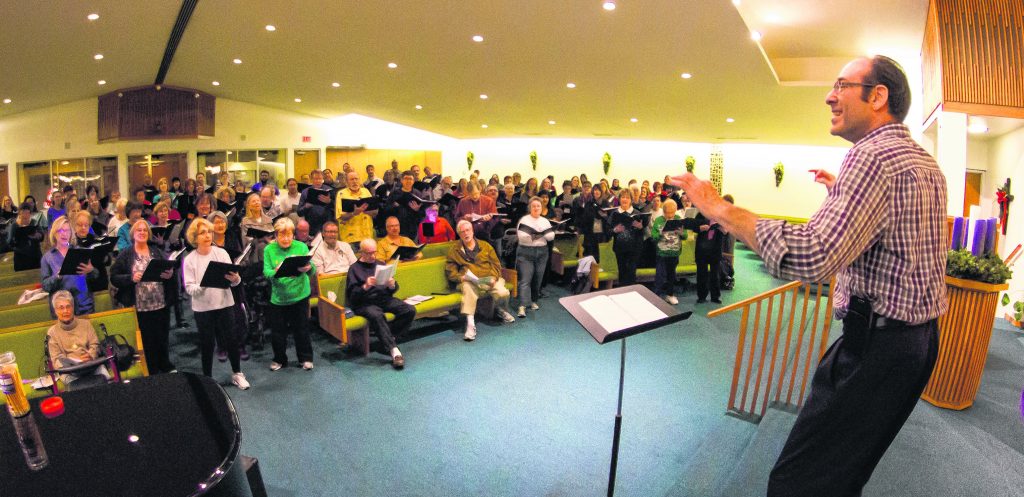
(528, 409)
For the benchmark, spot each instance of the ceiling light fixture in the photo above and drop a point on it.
(392, 65)
(977, 126)
(483, 97)
(98, 56)
(7, 100)
(736, 2)
(551, 122)
(92, 17)
(755, 35)
(478, 38)
(298, 100)
(237, 61)
(633, 120)
(336, 84)
(570, 85)
(686, 75)
(730, 120)
(102, 82)
(216, 83)
(483, 126)
(271, 27)
(419, 107)
(609, 5)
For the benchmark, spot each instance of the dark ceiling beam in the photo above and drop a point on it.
(187, 8)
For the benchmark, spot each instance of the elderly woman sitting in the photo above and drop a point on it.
(72, 340)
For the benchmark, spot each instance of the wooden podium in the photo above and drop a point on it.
(964, 333)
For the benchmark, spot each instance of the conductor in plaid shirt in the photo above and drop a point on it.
(881, 233)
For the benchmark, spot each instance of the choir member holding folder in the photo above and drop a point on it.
(628, 232)
(151, 297)
(668, 234)
(90, 236)
(434, 228)
(289, 296)
(534, 233)
(209, 275)
(356, 208)
(315, 203)
(24, 236)
(74, 278)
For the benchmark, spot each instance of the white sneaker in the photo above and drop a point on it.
(506, 316)
(470, 332)
(274, 366)
(239, 380)
(534, 306)
(308, 365)
(671, 299)
(522, 312)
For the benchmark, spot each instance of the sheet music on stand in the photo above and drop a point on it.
(614, 314)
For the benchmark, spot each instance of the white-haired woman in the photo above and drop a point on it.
(213, 307)
(289, 297)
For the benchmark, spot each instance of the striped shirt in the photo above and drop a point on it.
(881, 231)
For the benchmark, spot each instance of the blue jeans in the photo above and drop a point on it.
(531, 263)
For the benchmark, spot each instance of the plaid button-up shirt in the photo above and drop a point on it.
(881, 231)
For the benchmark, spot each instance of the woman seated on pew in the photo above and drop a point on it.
(76, 284)
(24, 237)
(85, 237)
(72, 340)
(152, 300)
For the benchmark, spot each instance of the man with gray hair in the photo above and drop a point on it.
(72, 341)
(371, 299)
(473, 266)
(268, 202)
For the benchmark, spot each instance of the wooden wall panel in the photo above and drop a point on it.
(981, 55)
(155, 113)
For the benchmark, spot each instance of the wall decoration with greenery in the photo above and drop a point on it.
(469, 160)
(779, 170)
(606, 161)
(690, 163)
(533, 159)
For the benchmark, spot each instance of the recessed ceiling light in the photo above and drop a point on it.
(271, 27)
(730, 120)
(98, 56)
(216, 83)
(633, 120)
(755, 35)
(609, 5)
(736, 2)
(92, 17)
(336, 84)
(483, 97)
(101, 82)
(237, 61)
(7, 100)
(977, 126)
(686, 75)
(298, 100)
(419, 107)
(483, 126)
(392, 65)
(551, 122)
(570, 85)
(478, 38)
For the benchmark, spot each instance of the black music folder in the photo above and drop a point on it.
(254, 232)
(349, 205)
(406, 253)
(673, 225)
(313, 196)
(74, 257)
(291, 264)
(614, 314)
(216, 272)
(428, 229)
(158, 266)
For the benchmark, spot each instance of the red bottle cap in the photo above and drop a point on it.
(52, 407)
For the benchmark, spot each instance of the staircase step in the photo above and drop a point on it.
(750, 474)
(711, 463)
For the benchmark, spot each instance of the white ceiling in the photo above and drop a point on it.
(626, 63)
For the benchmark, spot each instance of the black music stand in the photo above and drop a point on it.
(602, 334)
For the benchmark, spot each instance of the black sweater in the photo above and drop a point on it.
(356, 296)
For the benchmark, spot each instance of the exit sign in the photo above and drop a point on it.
(307, 139)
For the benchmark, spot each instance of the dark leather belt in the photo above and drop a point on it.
(875, 321)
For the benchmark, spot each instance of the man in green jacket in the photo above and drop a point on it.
(474, 267)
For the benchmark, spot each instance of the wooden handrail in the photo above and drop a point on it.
(777, 307)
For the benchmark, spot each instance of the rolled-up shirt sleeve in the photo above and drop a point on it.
(850, 220)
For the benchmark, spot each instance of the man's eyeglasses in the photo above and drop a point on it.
(842, 85)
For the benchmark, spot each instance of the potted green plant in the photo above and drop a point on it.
(690, 163)
(533, 159)
(779, 170)
(606, 161)
(973, 285)
(469, 160)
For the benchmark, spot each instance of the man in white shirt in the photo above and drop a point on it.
(332, 256)
(288, 200)
(372, 182)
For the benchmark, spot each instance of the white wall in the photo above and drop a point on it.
(1006, 160)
